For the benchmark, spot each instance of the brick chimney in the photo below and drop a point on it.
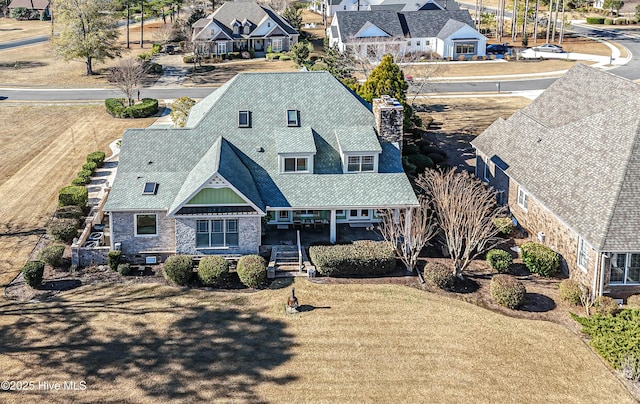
(388, 114)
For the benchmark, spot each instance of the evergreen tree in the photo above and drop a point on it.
(385, 79)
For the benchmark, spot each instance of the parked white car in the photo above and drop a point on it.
(548, 47)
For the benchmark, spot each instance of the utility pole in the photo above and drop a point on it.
(142, 23)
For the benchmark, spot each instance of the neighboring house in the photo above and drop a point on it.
(35, 6)
(568, 167)
(241, 25)
(374, 33)
(332, 6)
(265, 151)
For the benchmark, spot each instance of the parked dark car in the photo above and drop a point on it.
(499, 49)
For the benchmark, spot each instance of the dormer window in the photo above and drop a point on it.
(292, 117)
(360, 164)
(244, 119)
(247, 28)
(296, 164)
(150, 188)
(236, 29)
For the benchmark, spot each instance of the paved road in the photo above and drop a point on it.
(24, 42)
(629, 71)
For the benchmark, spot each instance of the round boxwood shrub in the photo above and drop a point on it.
(69, 212)
(507, 291)
(80, 181)
(96, 157)
(439, 275)
(85, 175)
(633, 301)
(499, 260)
(63, 229)
(178, 269)
(90, 166)
(421, 162)
(52, 255)
(570, 291)
(212, 270)
(113, 259)
(124, 269)
(73, 195)
(605, 306)
(251, 270)
(504, 225)
(33, 272)
(539, 259)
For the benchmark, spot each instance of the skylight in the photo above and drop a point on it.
(244, 119)
(292, 117)
(150, 188)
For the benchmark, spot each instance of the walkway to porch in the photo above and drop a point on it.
(310, 235)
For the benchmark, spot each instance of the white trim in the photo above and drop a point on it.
(583, 246)
(487, 169)
(135, 225)
(283, 156)
(248, 124)
(525, 198)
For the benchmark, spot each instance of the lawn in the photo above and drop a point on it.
(13, 30)
(353, 343)
(42, 148)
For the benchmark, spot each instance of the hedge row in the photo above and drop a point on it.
(146, 108)
(212, 270)
(360, 258)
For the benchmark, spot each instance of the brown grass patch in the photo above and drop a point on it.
(13, 30)
(227, 70)
(42, 149)
(357, 343)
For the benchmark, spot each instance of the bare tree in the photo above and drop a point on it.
(163, 34)
(465, 210)
(408, 231)
(180, 111)
(127, 76)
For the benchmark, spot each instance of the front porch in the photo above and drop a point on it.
(310, 235)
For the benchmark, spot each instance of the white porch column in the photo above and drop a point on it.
(332, 227)
(407, 230)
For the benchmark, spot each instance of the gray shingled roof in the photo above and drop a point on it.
(357, 139)
(576, 149)
(295, 140)
(410, 24)
(249, 10)
(324, 105)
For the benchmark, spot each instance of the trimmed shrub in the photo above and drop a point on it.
(212, 270)
(285, 57)
(507, 291)
(570, 291)
(63, 229)
(33, 272)
(146, 108)
(178, 269)
(595, 20)
(439, 275)
(80, 181)
(124, 269)
(73, 195)
(608, 21)
(96, 157)
(605, 306)
(251, 270)
(233, 55)
(499, 260)
(408, 167)
(52, 255)
(113, 259)
(421, 162)
(540, 259)
(634, 301)
(363, 257)
(90, 166)
(69, 212)
(437, 158)
(84, 175)
(504, 225)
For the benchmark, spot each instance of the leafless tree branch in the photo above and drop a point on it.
(127, 76)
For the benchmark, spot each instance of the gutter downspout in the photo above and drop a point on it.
(111, 241)
(604, 258)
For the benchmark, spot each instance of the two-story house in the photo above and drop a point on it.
(265, 149)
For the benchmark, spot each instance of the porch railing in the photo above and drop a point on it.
(299, 252)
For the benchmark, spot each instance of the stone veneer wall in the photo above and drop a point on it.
(248, 237)
(123, 228)
(558, 236)
(389, 116)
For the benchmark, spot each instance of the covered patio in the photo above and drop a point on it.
(310, 235)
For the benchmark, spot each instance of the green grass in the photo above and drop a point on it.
(353, 343)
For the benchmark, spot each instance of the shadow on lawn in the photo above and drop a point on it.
(207, 353)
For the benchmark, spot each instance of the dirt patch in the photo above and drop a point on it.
(221, 72)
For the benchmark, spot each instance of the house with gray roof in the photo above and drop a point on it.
(447, 33)
(36, 7)
(332, 6)
(241, 25)
(568, 167)
(264, 152)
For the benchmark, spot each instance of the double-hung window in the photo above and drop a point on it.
(583, 252)
(146, 225)
(523, 199)
(296, 164)
(359, 164)
(216, 233)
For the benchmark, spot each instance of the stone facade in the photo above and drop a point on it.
(123, 231)
(388, 113)
(248, 237)
(84, 257)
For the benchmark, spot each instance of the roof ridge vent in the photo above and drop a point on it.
(544, 125)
